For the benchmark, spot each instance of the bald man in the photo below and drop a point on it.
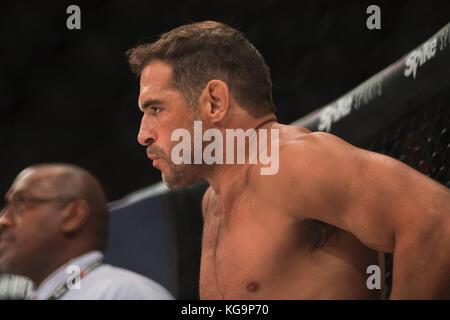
(53, 230)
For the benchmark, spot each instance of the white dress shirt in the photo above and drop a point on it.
(104, 282)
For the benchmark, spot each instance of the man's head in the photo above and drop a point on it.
(53, 212)
(206, 61)
(208, 50)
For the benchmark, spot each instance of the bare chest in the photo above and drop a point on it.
(241, 256)
(250, 252)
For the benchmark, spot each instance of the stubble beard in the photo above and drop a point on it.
(183, 175)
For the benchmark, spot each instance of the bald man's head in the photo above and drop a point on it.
(64, 180)
(67, 181)
(52, 209)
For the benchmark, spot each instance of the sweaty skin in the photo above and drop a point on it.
(253, 249)
(265, 236)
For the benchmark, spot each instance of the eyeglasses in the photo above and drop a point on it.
(15, 206)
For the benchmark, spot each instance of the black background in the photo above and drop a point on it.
(68, 95)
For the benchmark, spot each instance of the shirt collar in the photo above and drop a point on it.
(59, 277)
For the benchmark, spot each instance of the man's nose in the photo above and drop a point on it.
(147, 133)
(5, 220)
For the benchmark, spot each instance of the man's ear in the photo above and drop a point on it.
(215, 101)
(74, 216)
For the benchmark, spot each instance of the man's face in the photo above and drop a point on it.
(165, 110)
(27, 228)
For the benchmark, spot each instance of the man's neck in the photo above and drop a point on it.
(222, 177)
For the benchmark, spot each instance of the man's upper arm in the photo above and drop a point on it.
(372, 196)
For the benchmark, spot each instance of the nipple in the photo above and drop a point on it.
(253, 286)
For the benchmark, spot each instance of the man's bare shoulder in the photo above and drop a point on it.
(298, 138)
(309, 162)
(300, 148)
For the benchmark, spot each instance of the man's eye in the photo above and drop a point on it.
(155, 110)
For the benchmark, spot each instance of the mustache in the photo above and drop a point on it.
(7, 236)
(156, 151)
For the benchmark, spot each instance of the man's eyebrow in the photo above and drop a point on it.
(148, 103)
(12, 195)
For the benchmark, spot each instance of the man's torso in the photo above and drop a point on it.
(251, 250)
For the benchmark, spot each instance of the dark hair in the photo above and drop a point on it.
(208, 50)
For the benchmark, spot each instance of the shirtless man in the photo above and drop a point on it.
(309, 231)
